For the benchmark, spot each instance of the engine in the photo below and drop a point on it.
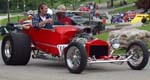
(82, 38)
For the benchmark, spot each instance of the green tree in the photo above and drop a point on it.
(18, 5)
(3, 6)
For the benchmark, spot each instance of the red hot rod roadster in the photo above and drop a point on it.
(66, 42)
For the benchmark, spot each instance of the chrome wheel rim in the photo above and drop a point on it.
(73, 58)
(8, 49)
(137, 57)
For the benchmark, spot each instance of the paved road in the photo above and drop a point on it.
(48, 70)
(3, 17)
(11, 15)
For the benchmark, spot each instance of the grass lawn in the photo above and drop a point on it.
(123, 9)
(145, 27)
(101, 1)
(131, 1)
(103, 36)
(1, 37)
(12, 20)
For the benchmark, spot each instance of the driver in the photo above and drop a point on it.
(42, 19)
(61, 16)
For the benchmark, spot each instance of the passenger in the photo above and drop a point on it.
(42, 19)
(62, 18)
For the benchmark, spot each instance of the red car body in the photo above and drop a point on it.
(47, 40)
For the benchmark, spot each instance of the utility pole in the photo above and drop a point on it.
(8, 11)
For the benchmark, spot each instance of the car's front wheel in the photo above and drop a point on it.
(75, 58)
(139, 54)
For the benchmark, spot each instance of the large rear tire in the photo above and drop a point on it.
(140, 55)
(76, 58)
(16, 49)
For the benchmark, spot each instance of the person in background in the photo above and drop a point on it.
(42, 19)
(83, 8)
(61, 16)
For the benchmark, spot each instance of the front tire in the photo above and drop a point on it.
(140, 55)
(16, 49)
(76, 58)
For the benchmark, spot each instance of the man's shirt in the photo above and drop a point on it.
(37, 19)
(64, 20)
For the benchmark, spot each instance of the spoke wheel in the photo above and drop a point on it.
(139, 54)
(75, 58)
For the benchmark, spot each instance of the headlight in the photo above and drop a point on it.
(115, 43)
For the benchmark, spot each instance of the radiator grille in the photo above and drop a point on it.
(98, 51)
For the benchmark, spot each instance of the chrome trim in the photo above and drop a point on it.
(45, 44)
(73, 58)
(8, 49)
(108, 61)
(61, 49)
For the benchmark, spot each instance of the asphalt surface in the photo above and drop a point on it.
(4, 16)
(38, 69)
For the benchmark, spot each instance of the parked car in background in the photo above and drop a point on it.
(130, 14)
(141, 18)
(86, 21)
(117, 19)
